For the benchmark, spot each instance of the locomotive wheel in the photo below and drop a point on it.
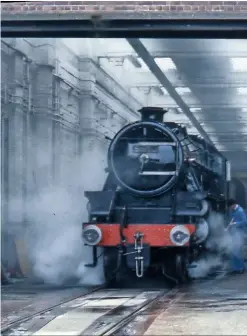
(175, 266)
(110, 265)
(181, 268)
(121, 277)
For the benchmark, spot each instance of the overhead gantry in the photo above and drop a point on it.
(143, 53)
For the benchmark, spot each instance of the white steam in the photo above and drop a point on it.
(53, 224)
(219, 245)
(205, 266)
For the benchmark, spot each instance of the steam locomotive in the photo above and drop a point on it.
(152, 214)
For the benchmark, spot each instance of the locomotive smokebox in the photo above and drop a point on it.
(150, 113)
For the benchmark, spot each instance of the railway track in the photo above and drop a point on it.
(140, 311)
(116, 308)
(18, 321)
(113, 323)
(110, 310)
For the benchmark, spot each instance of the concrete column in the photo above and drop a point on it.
(14, 154)
(117, 122)
(4, 169)
(91, 175)
(69, 165)
(87, 122)
(16, 143)
(7, 80)
(56, 135)
(42, 126)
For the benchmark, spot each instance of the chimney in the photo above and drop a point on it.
(152, 113)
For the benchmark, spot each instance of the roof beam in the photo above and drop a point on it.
(192, 85)
(200, 53)
(122, 50)
(148, 59)
(220, 107)
(233, 79)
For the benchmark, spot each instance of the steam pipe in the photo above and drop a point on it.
(187, 212)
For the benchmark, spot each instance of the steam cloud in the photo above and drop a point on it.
(53, 226)
(219, 244)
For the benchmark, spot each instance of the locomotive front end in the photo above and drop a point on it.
(146, 156)
(161, 187)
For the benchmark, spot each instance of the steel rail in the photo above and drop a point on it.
(119, 325)
(28, 317)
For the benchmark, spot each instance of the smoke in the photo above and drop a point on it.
(205, 266)
(59, 254)
(219, 247)
(53, 223)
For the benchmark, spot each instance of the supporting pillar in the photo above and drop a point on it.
(43, 115)
(89, 157)
(14, 128)
(17, 119)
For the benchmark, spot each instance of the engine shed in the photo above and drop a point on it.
(64, 98)
(123, 129)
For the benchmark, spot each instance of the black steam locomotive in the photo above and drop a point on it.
(162, 185)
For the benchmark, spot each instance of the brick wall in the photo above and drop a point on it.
(158, 7)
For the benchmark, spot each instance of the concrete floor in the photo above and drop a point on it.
(24, 298)
(215, 307)
(209, 307)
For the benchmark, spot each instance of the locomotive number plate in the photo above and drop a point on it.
(145, 149)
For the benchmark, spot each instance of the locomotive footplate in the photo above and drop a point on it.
(138, 255)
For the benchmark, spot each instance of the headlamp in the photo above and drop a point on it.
(91, 235)
(179, 235)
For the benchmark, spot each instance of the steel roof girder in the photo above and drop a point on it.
(154, 68)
